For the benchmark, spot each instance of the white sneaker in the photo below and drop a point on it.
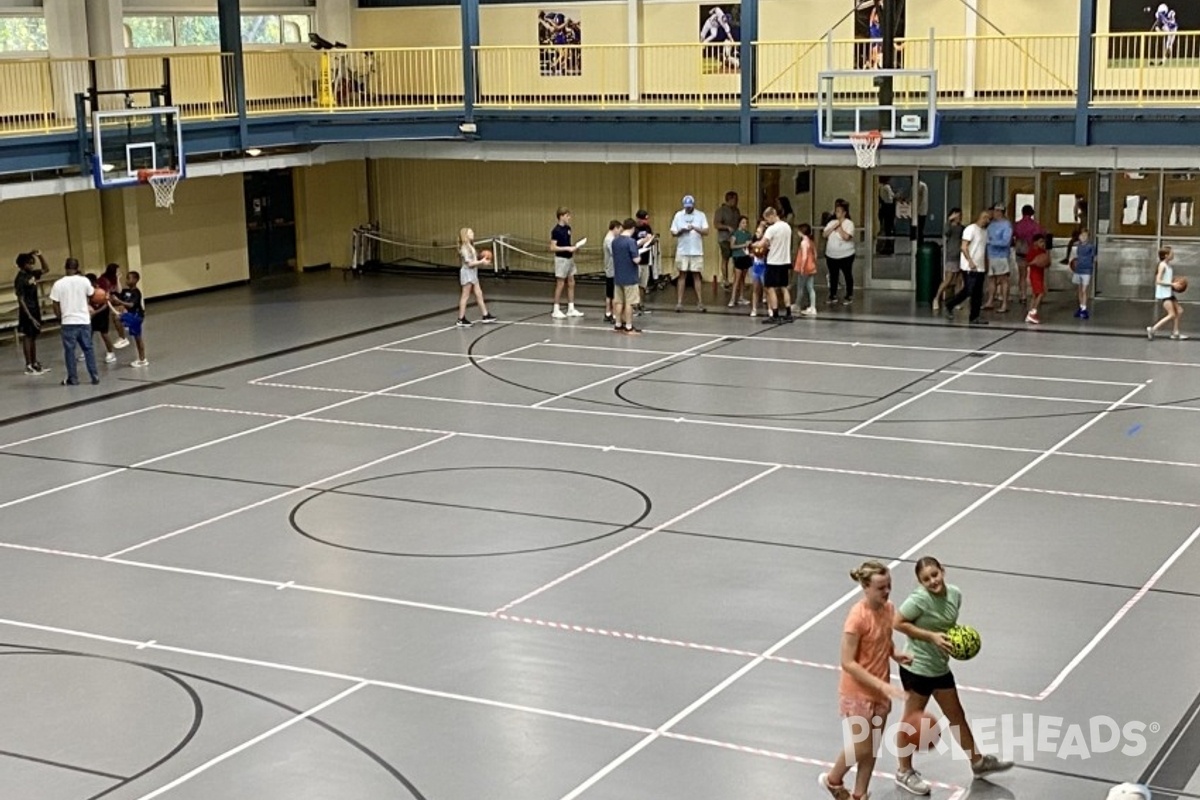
(111, 358)
(558, 314)
(809, 312)
(913, 783)
(141, 362)
(837, 793)
(574, 312)
(1150, 334)
(1032, 318)
(988, 765)
(121, 343)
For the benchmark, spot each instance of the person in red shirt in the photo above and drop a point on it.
(865, 691)
(1038, 260)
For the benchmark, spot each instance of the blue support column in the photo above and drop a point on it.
(229, 18)
(749, 67)
(470, 40)
(1087, 46)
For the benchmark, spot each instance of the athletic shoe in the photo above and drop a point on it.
(1179, 336)
(989, 764)
(848, 301)
(679, 308)
(558, 314)
(574, 312)
(111, 358)
(488, 319)
(121, 343)
(811, 311)
(1085, 314)
(836, 792)
(701, 308)
(141, 362)
(977, 322)
(1150, 334)
(633, 331)
(913, 783)
(1078, 313)
(1032, 318)
(463, 322)
(609, 318)
(68, 382)
(34, 369)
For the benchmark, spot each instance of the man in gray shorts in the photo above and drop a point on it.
(564, 265)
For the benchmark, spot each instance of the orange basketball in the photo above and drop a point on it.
(99, 296)
(1180, 285)
(919, 731)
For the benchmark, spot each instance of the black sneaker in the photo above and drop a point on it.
(487, 319)
(977, 322)
(463, 322)
(609, 318)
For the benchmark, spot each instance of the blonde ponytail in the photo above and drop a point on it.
(868, 570)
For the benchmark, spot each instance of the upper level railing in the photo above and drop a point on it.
(1145, 69)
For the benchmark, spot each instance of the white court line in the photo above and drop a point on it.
(1050, 379)
(629, 371)
(507, 358)
(919, 348)
(813, 363)
(848, 596)
(212, 762)
(1007, 396)
(1117, 617)
(60, 488)
(82, 425)
(605, 556)
(274, 497)
(351, 354)
(920, 395)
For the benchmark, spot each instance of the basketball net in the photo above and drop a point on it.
(866, 146)
(163, 182)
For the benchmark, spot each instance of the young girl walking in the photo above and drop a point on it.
(468, 277)
(1165, 286)
(865, 691)
(806, 272)
(924, 618)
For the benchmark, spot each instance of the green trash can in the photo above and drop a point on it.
(929, 271)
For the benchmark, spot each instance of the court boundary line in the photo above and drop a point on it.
(920, 395)
(813, 621)
(361, 682)
(212, 762)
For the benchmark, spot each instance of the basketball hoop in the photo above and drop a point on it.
(866, 145)
(163, 182)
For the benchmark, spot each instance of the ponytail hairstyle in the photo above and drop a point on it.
(928, 561)
(869, 569)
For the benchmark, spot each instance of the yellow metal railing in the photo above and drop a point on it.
(608, 76)
(975, 71)
(38, 95)
(286, 81)
(1146, 69)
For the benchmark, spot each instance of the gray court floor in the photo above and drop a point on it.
(540, 560)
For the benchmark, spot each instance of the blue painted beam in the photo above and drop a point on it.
(1087, 44)
(749, 35)
(469, 10)
(229, 21)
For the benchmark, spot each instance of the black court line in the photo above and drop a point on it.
(200, 373)
(757, 388)
(1176, 762)
(885, 557)
(171, 382)
(61, 765)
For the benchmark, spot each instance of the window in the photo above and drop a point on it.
(23, 34)
(203, 30)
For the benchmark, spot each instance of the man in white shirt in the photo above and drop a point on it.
(689, 227)
(972, 261)
(777, 238)
(70, 295)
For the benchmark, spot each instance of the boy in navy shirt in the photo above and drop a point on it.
(626, 256)
(133, 312)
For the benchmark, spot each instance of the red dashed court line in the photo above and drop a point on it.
(708, 648)
(811, 762)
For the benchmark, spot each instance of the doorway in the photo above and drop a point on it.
(910, 209)
(270, 222)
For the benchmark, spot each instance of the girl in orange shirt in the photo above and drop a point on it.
(865, 691)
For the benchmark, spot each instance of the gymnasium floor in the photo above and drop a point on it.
(541, 561)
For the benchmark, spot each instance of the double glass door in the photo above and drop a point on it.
(907, 208)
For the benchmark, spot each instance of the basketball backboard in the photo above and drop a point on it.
(130, 140)
(899, 103)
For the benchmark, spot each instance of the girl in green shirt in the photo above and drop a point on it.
(924, 618)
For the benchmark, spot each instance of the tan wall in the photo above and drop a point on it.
(202, 243)
(409, 202)
(331, 200)
(34, 223)
(439, 26)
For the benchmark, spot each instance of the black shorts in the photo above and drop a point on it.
(777, 276)
(743, 262)
(608, 288)
(28, 326)
(919, 684)
(100, 320)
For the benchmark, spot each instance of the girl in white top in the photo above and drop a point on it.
(1165, 286)
(840, 250)
(468, 277)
